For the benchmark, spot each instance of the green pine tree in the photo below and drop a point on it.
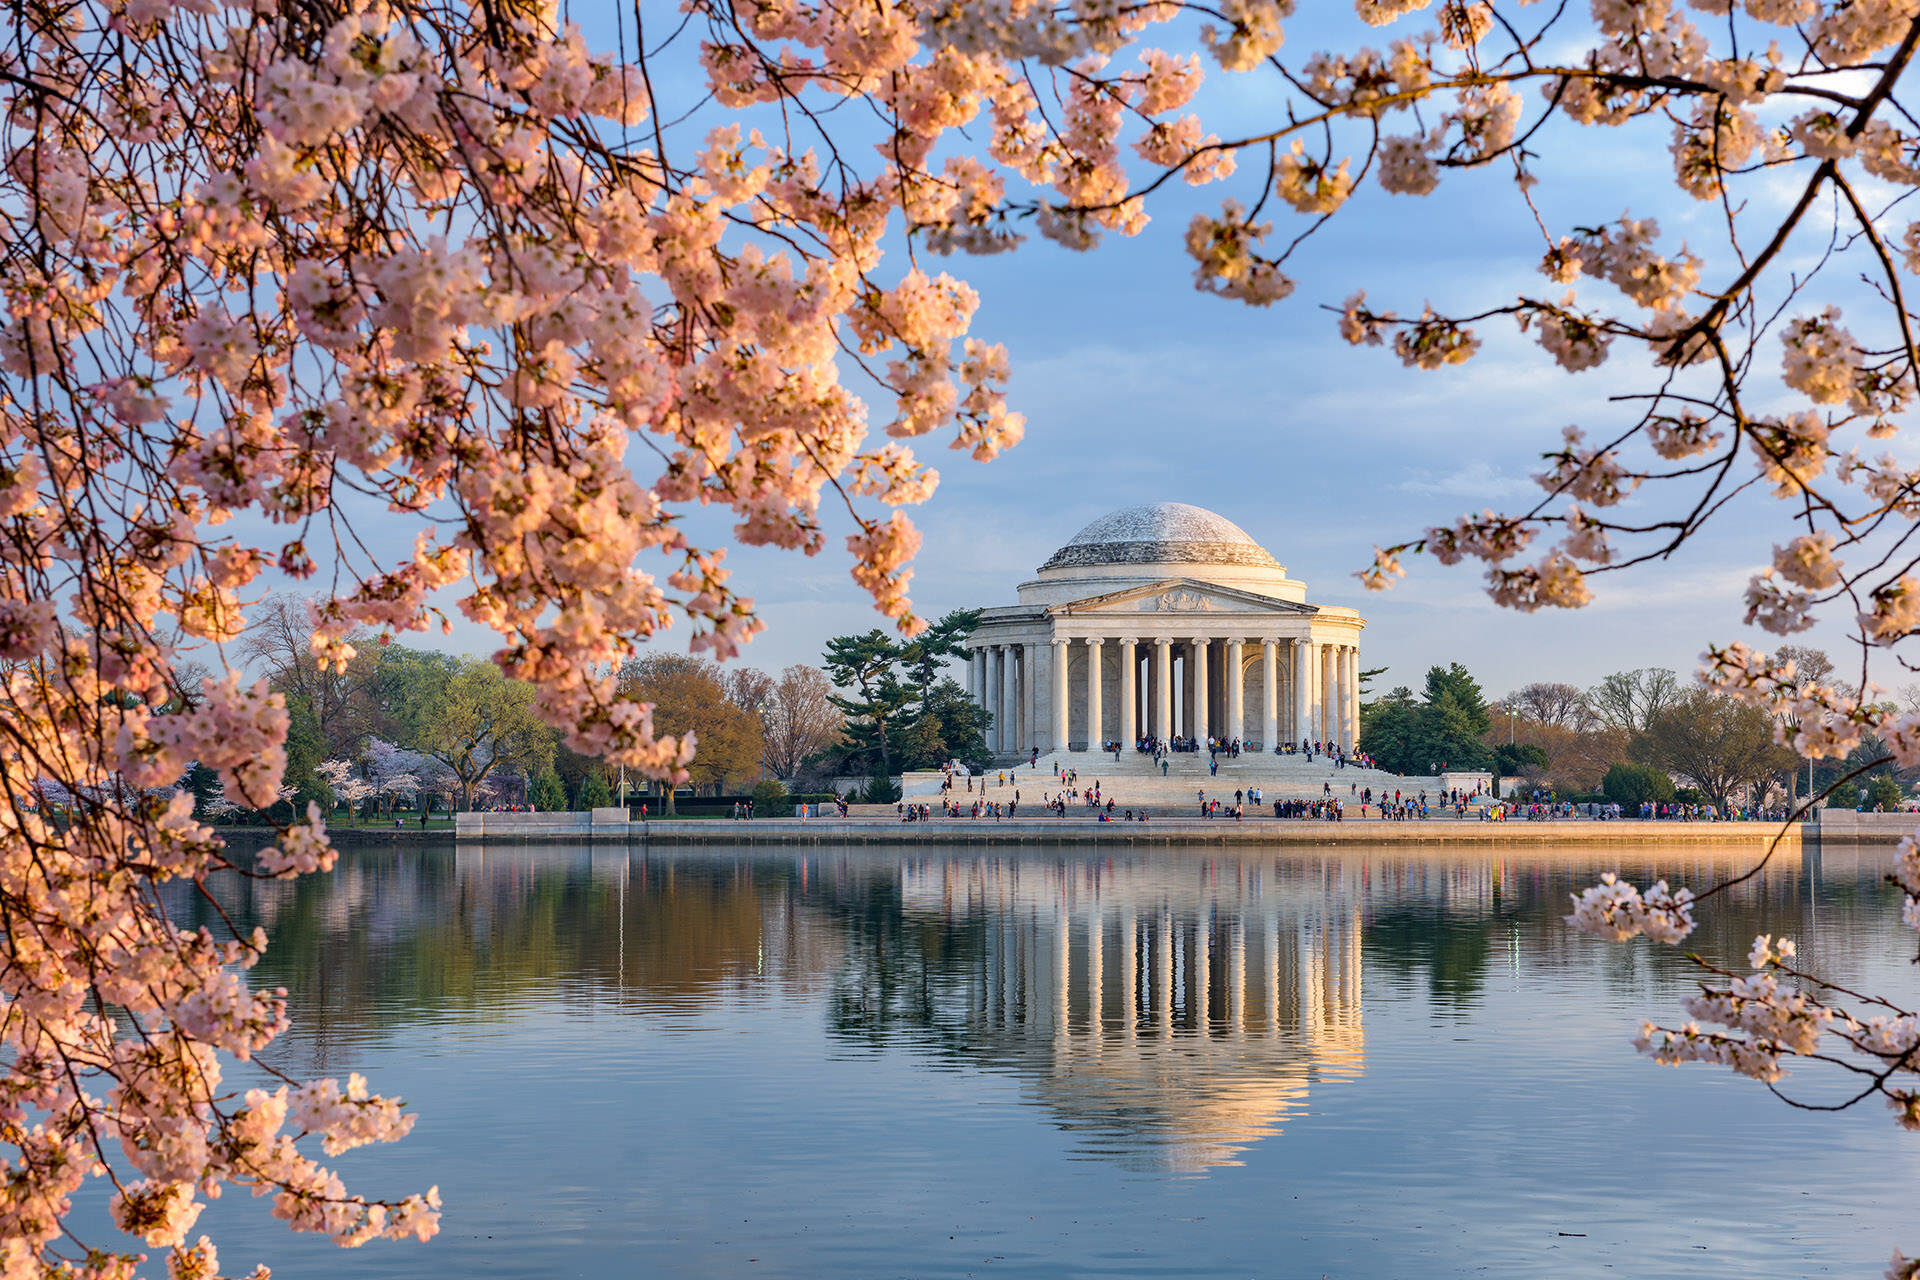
(594, 793)
(876, 698)
(549, 796)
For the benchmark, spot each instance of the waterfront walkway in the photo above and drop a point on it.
(1079, 830)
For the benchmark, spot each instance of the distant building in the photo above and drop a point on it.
(1166, 620)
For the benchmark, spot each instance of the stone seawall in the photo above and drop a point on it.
(1745, 836)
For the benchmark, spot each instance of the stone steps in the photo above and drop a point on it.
(1135, 780)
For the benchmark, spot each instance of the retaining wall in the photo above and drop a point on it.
(1844, 825)
(1742, 836)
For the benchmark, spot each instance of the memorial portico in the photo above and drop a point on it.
(1167, 621)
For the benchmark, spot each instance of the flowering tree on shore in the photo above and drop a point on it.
(269, 269)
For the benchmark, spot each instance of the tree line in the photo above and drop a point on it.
(404, 728)
(1635, 736)
(399, 727)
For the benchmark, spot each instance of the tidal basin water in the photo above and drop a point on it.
(948, 1062)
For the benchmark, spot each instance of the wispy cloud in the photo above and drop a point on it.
(1478, 480)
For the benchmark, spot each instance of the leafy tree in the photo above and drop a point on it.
(305, 749)
(594, 792)
(1388, 727)
(463, 713)
(1718, 743)
(768, 791)
(549, 793)
(1631, 785)
(1884, 795)
(1516, 759)
(689, 695)
(1844, 795)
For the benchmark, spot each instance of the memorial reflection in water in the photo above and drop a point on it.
(1157, 1012)
(1166, 1009)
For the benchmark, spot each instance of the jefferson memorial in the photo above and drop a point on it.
(1165, 620)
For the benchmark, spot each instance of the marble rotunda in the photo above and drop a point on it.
(1165, 620)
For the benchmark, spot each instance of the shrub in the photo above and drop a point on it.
(881, 789)
(1632, 785)
(768, 791)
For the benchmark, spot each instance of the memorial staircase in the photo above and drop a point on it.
(1135, 779)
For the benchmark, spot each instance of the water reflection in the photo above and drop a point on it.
(1167, 1010)
(1162, 1015)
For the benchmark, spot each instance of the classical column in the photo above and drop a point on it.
(1200, 688)
(1059, 693)
(1236, 689)
(1011, 739)
(991, 693)
(1129, 678)
(1162, 687)
(1319, 678)
(1341, 727)
(1325, 700)
(1183, 724)
(977, 668)
(1302, 690)
(1029, 697)
(1269, 695)
(1096, 732)
(1346, 696)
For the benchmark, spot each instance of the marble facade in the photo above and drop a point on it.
(1165, 620)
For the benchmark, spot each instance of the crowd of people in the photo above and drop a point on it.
(1069, 796)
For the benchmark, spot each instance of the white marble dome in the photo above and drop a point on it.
(1159, 542)
(1161, 533)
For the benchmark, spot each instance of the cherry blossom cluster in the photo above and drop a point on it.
(1615, 910)
(270, 269)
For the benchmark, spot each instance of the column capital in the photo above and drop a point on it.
(1129, 639)
(1094, 642)
(1060, 640)
(1238, 640)
(1201, 640)
(1163, 642)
